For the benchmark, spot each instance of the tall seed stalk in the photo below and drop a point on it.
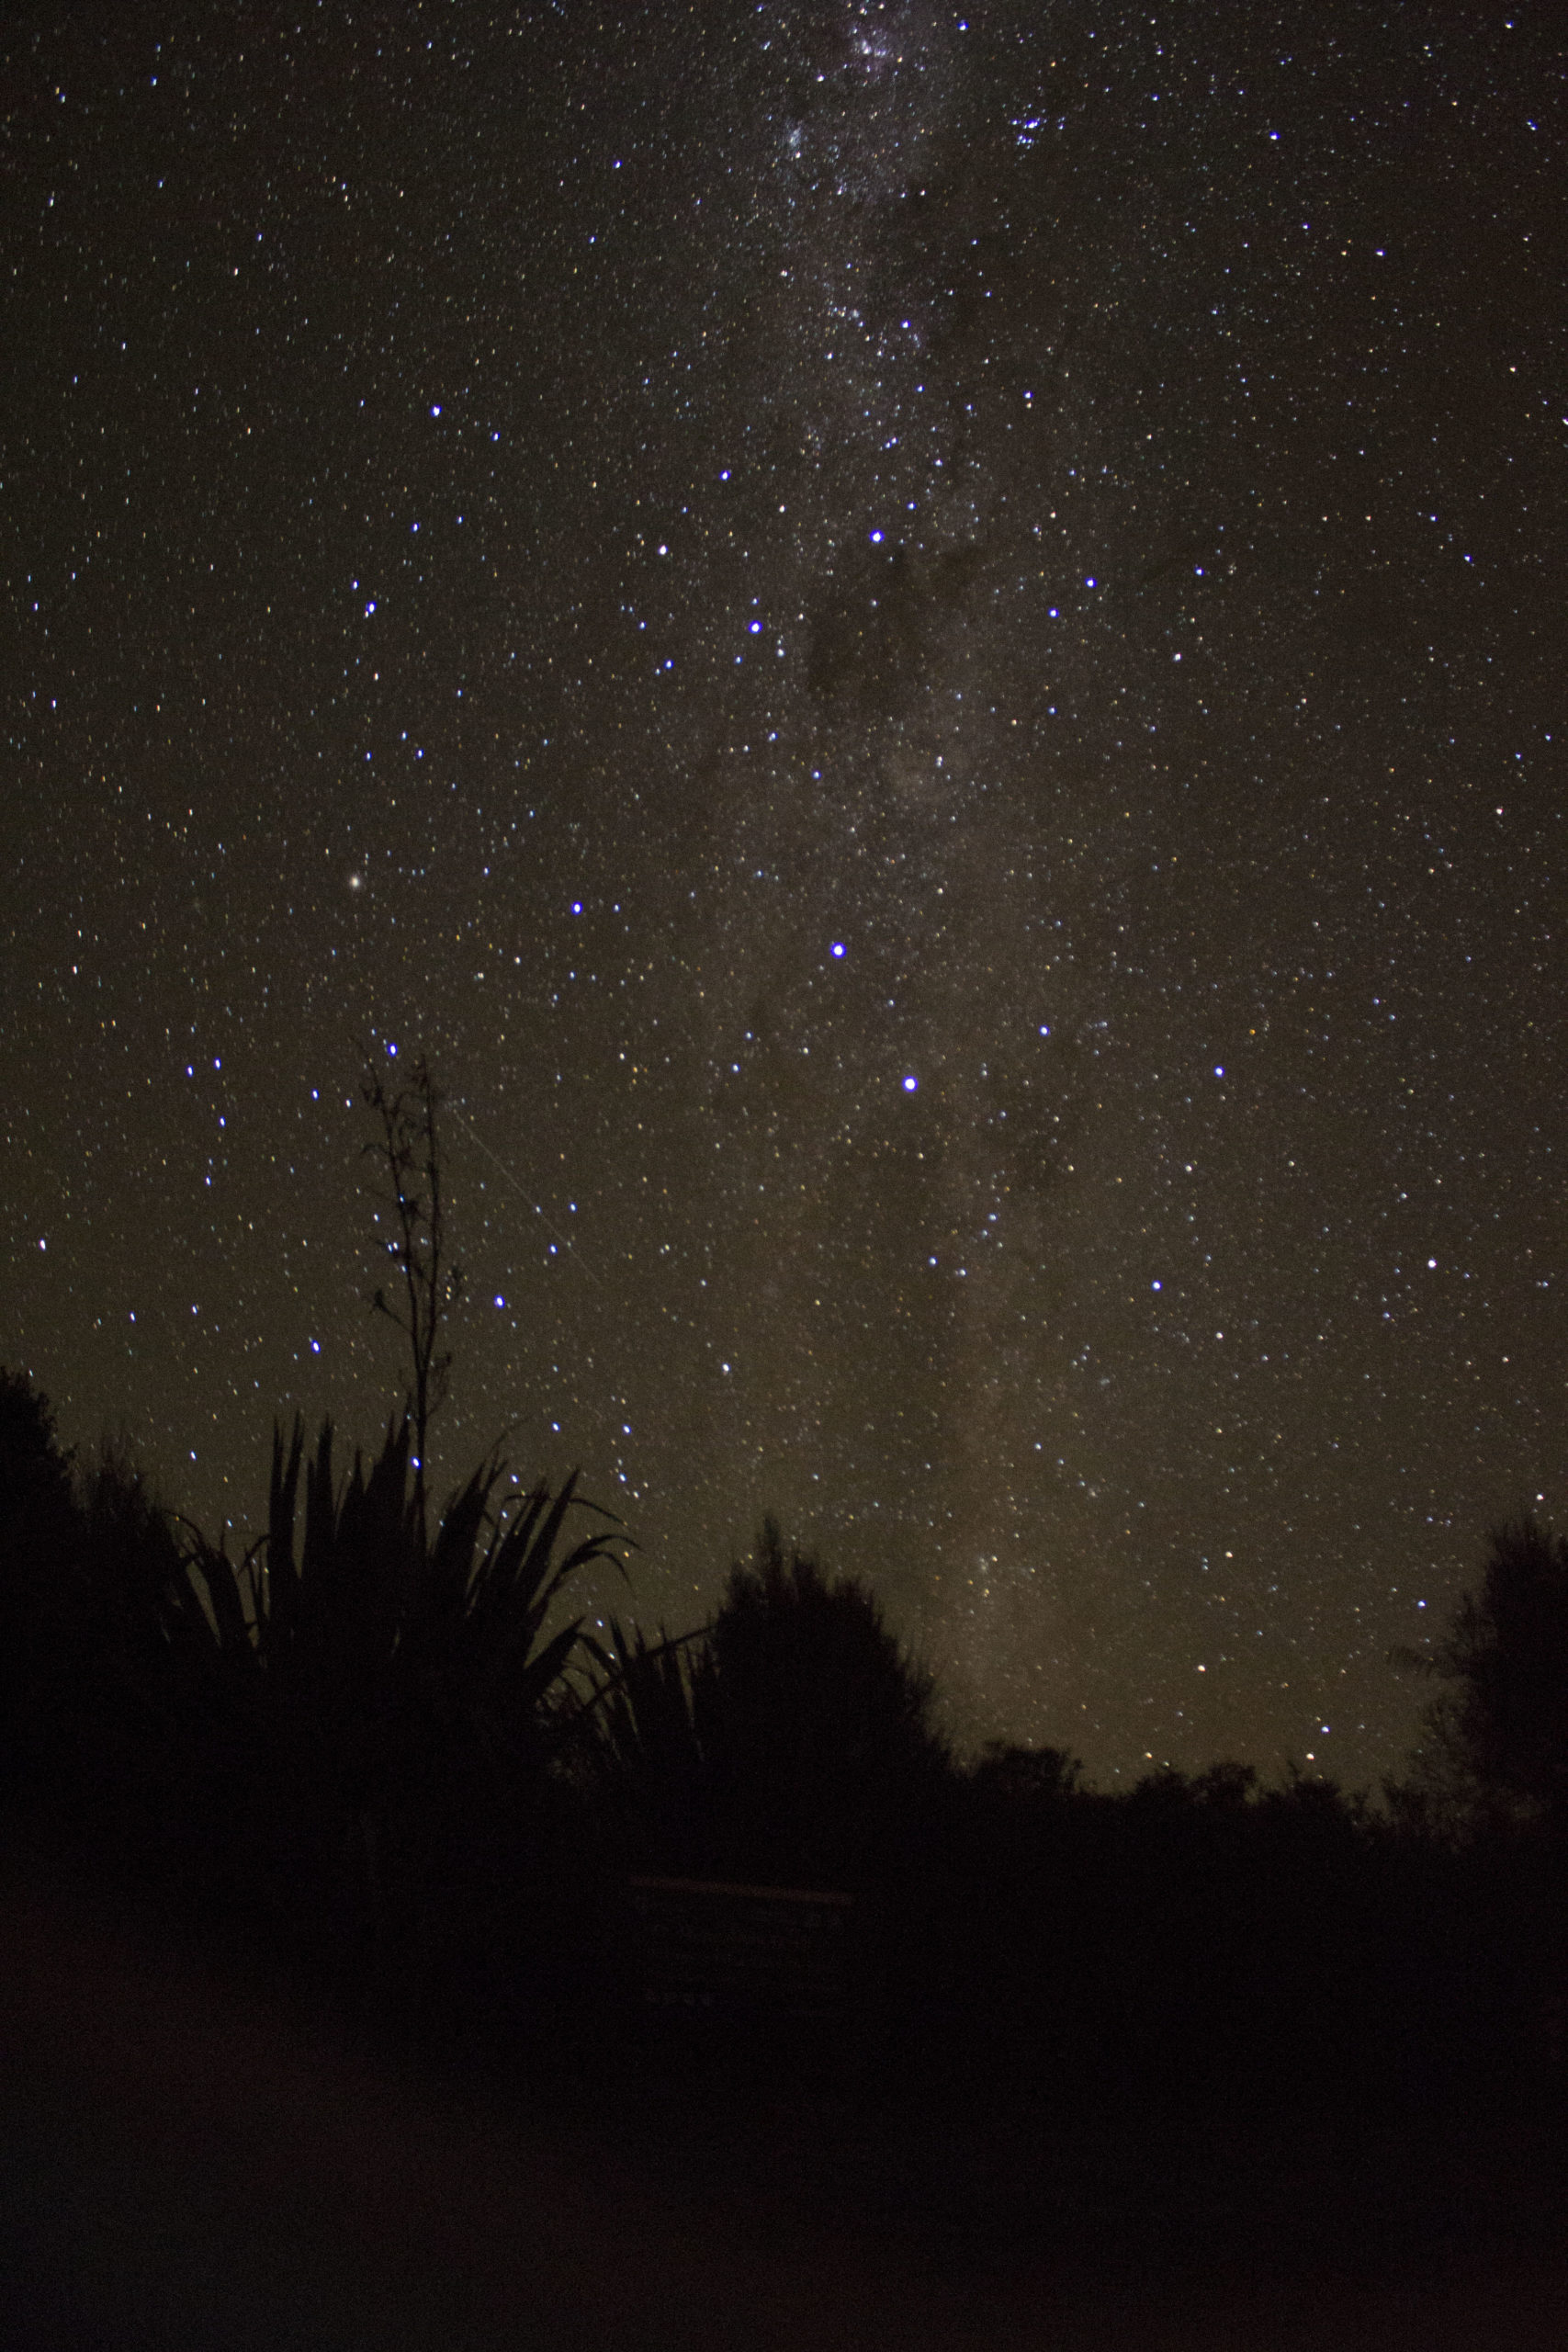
(408, 1148)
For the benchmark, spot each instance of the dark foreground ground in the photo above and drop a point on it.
(190, 2160)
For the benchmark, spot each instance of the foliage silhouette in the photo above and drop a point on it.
(389, 1689)
(39, 1541)
(35, 1476)
(372, 1743)
(1494, 1751)
(410, 1148)
(784, 1743)
(343, 1740)
(1026, 1776)
(637, 1749)
(815, 1728)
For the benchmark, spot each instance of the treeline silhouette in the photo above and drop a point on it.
(367, 1748)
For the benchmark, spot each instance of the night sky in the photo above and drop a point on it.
(926, 655)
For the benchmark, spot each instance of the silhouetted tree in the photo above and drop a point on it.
(35, 1476)
(814, 1726)
(789, 1741)
(107, 1638)
(1025, 1777)
(40, 1557)
(1495, 1746)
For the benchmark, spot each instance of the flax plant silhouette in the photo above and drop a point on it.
(409, 1152)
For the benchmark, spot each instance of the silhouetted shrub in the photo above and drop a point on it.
(387, 1694)
(364, 1742)
(636, 1752)
(39, 1557)
(814, 1726)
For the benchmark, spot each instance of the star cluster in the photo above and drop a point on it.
(922, 652)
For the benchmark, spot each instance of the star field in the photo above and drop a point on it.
(923, 652)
